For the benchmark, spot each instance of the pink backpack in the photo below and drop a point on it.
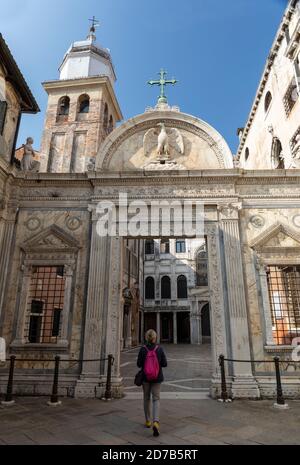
(151, 366)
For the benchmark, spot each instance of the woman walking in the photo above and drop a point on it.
(151, 360)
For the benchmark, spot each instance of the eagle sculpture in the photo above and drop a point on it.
(164, 139)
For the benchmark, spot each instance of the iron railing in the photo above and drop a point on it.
(54, 397)
(280, 399)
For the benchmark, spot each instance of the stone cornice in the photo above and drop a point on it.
(261, 87)
(137, 178)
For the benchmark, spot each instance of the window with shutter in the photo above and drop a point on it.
(3, 110)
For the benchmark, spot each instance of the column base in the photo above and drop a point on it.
(281, 406)
(8, 404)
(54, 404)
(245, 387)
(88, 387)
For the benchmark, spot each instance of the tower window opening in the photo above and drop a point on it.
(63, 107)
(84, 104)
(110, 124)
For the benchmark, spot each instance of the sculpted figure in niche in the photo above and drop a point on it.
(28, 162)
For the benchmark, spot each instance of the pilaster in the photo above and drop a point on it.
(243, 384)
(97, 301)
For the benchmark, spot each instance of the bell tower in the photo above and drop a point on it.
(82, 108)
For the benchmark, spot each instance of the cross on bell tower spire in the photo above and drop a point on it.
(95, 23)
(162, 82)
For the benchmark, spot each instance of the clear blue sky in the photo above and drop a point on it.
(215, 48)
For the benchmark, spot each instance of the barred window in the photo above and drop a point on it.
(291, 96)
(284, 293)
(45, 304)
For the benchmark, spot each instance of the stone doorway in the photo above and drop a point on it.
(183, 328)
(166, 325)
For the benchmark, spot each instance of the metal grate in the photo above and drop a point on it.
(284, 293)
(45, 305)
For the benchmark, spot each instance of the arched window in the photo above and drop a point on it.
(201, 267)
(111, 124)
(277, 158)
(181, 287)
(165, 246)
(105, 119)
(149, 247)
(63, 107)
(268, 100)
(247, 154)
(149, 288)
(84, 104)
(165, 287)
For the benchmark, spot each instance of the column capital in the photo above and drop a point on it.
(229, 210)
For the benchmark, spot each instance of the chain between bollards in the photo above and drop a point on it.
(108, 392)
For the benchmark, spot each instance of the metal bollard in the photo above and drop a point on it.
(10, 383)
(224, 393)
(280, 398)
(108, 393)
(54, 396)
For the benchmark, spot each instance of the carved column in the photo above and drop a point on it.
(6, 236)
(68, 272)
(244, 385)
(111, 331)
(195, 319)
(266, 307)
(215, 277)
(96, 307)
(175, 327)
(158, 327)
(26, 273)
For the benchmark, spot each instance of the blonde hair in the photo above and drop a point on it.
(151, 336)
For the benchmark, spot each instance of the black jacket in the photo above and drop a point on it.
(161, 357)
